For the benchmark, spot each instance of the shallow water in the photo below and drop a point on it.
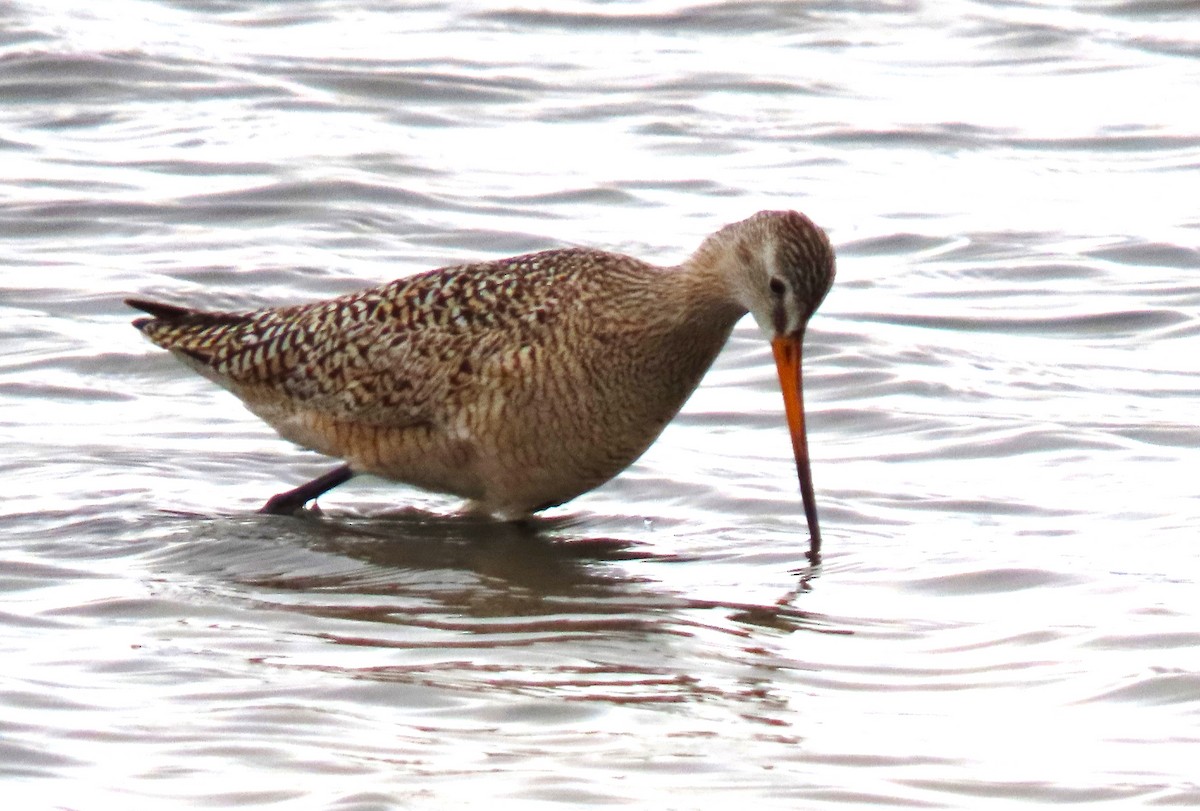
(1001, 389)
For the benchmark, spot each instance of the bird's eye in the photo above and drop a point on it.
(777, 286)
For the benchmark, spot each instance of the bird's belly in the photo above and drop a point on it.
(511, 465)
(543, 454)
(420, 455)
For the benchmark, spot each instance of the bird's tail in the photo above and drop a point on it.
(194, 333)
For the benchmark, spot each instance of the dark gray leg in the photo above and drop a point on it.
(287, 503)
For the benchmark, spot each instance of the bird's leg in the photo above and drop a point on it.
(287, 503)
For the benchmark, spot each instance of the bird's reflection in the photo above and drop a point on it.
(461, 566)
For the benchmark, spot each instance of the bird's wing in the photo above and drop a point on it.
(391, 355)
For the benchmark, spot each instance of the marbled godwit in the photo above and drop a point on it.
(519, 383)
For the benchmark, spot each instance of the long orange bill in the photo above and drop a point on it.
(788, 351)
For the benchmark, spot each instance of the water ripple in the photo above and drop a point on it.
(1000, 389)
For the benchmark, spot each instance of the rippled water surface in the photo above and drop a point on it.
(1002, 392)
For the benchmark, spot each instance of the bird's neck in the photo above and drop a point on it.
(712, 280)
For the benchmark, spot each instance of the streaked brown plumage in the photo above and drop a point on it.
(519, 383)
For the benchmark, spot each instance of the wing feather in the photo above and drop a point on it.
(392, 355)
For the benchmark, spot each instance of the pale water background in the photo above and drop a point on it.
(1002, 391)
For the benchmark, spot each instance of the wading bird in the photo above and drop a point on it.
(519, 383)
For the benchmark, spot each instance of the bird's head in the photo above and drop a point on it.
(785, 267)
